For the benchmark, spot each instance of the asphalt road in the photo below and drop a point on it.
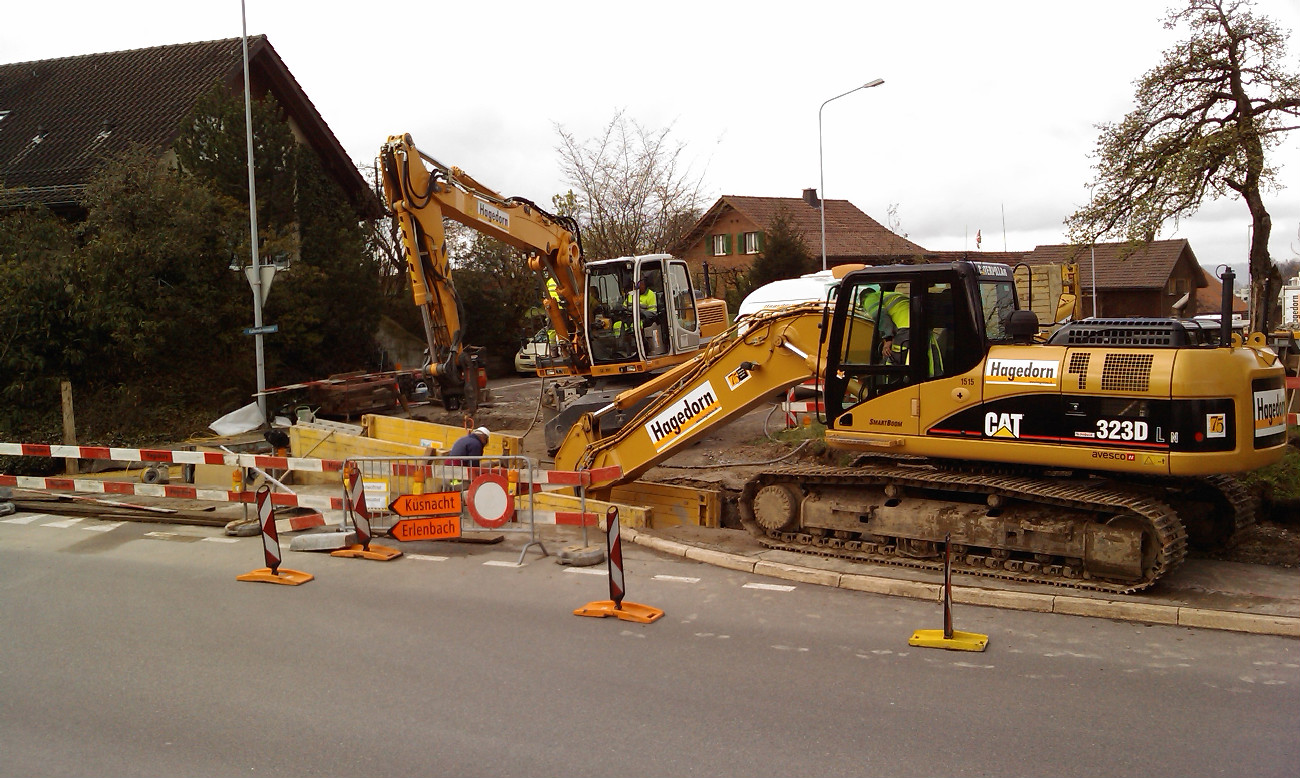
(130, 649)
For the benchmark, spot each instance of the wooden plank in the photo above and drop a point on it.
(328, 444)
(69, 426)
(673, 505)
(430, 434)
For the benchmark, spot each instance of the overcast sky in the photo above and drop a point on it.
(985, 121)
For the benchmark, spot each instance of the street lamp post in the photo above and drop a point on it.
(821, 169)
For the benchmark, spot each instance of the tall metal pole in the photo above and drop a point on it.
(255, 280)
(821, 168)
(1092, 247)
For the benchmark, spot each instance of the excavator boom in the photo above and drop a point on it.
(734, 374)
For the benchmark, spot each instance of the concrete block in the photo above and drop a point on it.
(1253, 623)
(796, 573)
(1020, 601)
(323, 541)
(1111, 609)
(890, 586)
(721, 559)
(660, 544)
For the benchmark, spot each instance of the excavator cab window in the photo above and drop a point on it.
(606, 311)
(998, 301)
(892, 333)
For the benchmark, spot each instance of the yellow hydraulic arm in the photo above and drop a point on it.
(732, 375)
(420, 198)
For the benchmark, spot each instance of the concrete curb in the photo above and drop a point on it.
(1064, 604)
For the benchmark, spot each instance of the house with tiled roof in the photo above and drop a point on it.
(60, 119)
(1210, 299)
(731, 233)
(1148, 280)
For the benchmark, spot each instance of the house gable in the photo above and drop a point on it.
(1143, 280)
(851, 235)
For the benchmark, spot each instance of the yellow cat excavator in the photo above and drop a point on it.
(1088, 459)
(602, 329)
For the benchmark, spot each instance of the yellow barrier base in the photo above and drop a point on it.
(960, 641)
(377, 553)
(282, 576)
(630, 611)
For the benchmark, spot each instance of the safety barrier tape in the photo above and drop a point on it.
(266, 462)
(97, 486)
(568, 518)
(172, 457)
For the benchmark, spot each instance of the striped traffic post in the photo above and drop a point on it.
(356, 500)
(271, 548)
(615, 606)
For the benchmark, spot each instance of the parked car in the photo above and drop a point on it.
(537, 346)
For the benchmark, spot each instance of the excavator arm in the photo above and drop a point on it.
(735, 373)
(419, 198)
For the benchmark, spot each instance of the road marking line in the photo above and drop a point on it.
(27, 519)
(427, 557)
(586, 571)
(769, 587)
(104, 527)
(497, 563)
(222, 540)
(64, 524)
(678, 578)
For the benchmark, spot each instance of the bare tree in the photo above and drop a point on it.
(632, 191)
(1204, 121)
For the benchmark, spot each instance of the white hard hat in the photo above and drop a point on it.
(482, 431)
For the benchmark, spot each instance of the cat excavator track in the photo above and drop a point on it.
(1080, 532)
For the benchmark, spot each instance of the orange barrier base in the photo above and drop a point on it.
(282, 576)
(630, 611)
(377, 553)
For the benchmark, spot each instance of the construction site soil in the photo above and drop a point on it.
(731, 454)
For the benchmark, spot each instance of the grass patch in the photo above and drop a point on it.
(1279, 481)
(813, 431)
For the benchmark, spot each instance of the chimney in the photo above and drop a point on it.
(810, 197)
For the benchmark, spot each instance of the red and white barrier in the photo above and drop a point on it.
(271, 548)
(97, 486)
(615, 605)
(567, 518)
(793, 407)
(171, 456)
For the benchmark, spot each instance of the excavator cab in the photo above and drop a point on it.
(897, 328)
(645, 322)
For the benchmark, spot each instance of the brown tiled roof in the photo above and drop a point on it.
(88, 108)
(1147, 267)
(849, 231)
(1210, 298)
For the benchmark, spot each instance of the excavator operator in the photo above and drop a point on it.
(648, 300)
(893, 316)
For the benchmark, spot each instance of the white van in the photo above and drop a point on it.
(808, 288)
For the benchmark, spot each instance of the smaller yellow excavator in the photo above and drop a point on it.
(1088, 459)
(602, 329)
